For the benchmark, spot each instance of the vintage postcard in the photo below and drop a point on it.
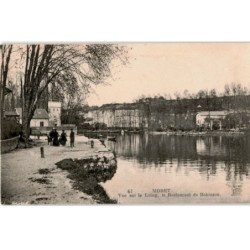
(126, 123)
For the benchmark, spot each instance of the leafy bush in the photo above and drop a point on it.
(95, 126)
(86, 126)
(159, 130)
(100, 126)
(236, 120)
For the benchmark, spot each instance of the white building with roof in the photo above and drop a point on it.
(54, 109)
(39, 119)
(204, 118)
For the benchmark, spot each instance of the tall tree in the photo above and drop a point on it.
(6, 51)
(47, 64)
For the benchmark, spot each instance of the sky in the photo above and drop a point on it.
(166, 68)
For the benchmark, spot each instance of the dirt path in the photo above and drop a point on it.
(26, 178)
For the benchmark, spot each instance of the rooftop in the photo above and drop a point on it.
(11, 113)
(219, 113)
(39, 113)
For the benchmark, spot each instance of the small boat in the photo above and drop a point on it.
(111, 138)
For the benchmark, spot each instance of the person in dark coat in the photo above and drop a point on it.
(72, 138)
(51, 136)
(63, 138)
(56, 138)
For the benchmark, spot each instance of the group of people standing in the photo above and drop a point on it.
(55, 140)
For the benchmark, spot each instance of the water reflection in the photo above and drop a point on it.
(220, 161)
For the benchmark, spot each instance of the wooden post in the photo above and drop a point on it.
(42, 152)
(92, 143)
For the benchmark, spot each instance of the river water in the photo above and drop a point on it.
(180, 169)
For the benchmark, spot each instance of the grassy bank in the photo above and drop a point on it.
(87, 173)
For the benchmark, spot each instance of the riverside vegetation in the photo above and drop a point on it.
(87, 173)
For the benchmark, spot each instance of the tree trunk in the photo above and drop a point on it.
(2, 113)
(5, 51)
(26, 125)
(26, 118)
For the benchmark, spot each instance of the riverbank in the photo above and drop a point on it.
(26, 178)
(105, 133)
(196, 133)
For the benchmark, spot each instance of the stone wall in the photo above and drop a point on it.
(9, 144)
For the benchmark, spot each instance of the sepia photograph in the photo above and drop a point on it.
(125, 123)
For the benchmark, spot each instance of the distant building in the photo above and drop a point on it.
(54, 109)
(208, 118)
(40, 118)
(118, 116)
